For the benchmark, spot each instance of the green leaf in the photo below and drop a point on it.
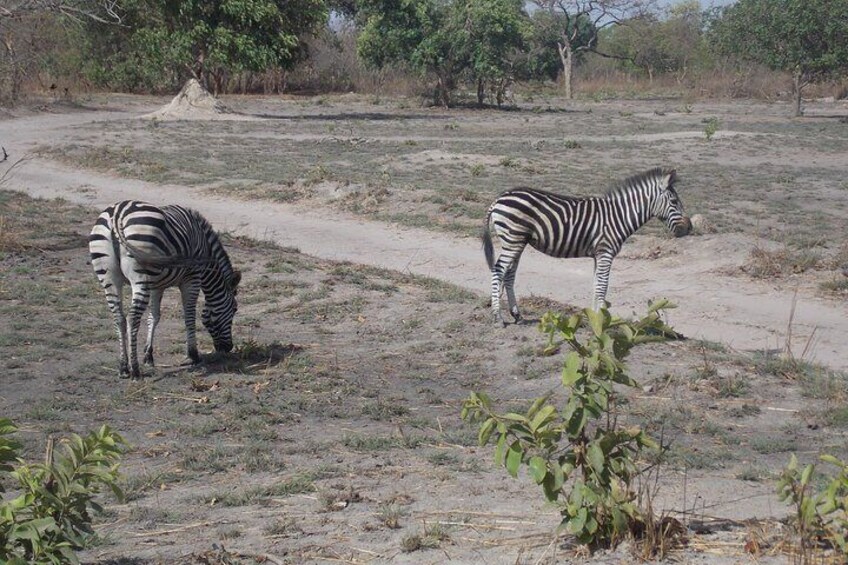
(595, 456)
(538, 469)
(486, 431)
(571, 372)
(806, 474)
(596, 320)
(543, 417)
(513, 458)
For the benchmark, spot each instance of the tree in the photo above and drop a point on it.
(808, 38)
(658, 45)
(497, 30)
(207, 39)
(543, 59)
(445, 39)
(101, 10)
(580, 16)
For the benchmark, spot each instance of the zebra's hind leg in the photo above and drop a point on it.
(497, 284)
(116, 306)
(152, 322)
(189, 292)
(509, 284)
(140, 299)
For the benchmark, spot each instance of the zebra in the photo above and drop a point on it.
(154, 248)
(566, 226)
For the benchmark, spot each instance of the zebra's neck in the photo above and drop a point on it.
(219, 269)
(632, 207)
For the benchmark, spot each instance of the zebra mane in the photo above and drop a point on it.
(646, 178)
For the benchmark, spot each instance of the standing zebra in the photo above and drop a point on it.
(565, 226)
(154, 248)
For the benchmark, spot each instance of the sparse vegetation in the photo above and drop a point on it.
(50, 519)
(588, 472)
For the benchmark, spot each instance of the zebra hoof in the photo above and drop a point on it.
(190, 362)
(135, 374)
(148, 359)
(516, 317)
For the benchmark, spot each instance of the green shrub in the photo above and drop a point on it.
(821, 515)
(581, 458)
(50, 517)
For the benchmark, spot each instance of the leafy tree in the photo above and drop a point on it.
(542, 60)
(101, 10)
(582, 16)
(667, 45)
(207, 39)
(808, 38)
(444, 39)
(497, 30)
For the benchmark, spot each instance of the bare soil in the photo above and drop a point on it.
(333, 432)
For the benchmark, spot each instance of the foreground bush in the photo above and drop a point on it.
(583, 460)
(50, 517)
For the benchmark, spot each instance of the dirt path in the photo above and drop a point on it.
(741, 313)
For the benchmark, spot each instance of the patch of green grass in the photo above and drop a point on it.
(298, 484)
(754, 474)
(210, 459)
(768, 445)
(431, 537)
(744, 410)
(384, 410)
(837, 285)
(836, 417)
(359, 442)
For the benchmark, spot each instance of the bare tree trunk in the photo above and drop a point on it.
(798, 85)
(566, 57)
(481, 92)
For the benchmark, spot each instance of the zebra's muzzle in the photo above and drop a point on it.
(683, 228)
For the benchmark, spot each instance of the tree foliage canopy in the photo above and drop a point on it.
(445, 39)
(207, 38)
(809, 36)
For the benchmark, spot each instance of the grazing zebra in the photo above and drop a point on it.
(154, 248)
(564, 226)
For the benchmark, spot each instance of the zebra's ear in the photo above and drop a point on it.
(235, 279)
(669, 178)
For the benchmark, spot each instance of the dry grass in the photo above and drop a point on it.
(766, 264)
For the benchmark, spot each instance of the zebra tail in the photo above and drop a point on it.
(488, 248)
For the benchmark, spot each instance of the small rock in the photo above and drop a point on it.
(702, 225)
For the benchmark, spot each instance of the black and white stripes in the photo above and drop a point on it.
(563, 226)
(154, 248)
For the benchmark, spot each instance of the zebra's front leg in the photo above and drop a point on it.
(152, 322)
(139, 304)
(189, 292)
(509, 284)
(603, 264)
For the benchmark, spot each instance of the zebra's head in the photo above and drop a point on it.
(218, 313)
(669, 208)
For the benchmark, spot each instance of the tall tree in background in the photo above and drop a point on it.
(659, 45)
(445, 39)
(22, 54)
(208, 39)
(497, 31)
(584, 20)
(808, 38)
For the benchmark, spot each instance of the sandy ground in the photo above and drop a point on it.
(743, 314)
(700, 273)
